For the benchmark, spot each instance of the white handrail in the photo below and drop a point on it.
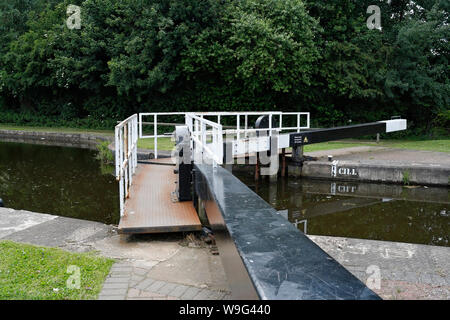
(199, 139)
(155, 135)
(240, 131)
(126, 138)
(129, 131)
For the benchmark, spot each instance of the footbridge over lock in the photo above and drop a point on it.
(264, 256)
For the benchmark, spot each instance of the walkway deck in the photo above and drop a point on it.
(150, 208)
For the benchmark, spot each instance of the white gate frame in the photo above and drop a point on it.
(126, 138)
(240, 130)
(198, 127)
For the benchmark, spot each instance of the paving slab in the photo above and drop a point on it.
(405, 270)
(12, 221)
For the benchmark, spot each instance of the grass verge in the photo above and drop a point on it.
(30, 272)
(163, 144)
(442, 145)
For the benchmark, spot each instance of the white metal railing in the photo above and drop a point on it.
(242, 128)
(126, 138)
(206, 139)
(245, 138)
(155, 124)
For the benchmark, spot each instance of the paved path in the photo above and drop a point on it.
(128, 282)
(164, 266)
(343, 151)
(407, 271)
(383, 154)
(173, 267)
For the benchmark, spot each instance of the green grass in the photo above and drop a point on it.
(104, 154)
(163, 144)
(30, 272)
(331, 145)
(441, 145)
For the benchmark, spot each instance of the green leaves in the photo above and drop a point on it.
(154, 55)
(261, 46)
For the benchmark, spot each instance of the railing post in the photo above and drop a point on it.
(238, 125)
(270, 125)
(203, 138)
(116, 151)
(119, 150)
(307, 120)
(140, 125)
(155, 133)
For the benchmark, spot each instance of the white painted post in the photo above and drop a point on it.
(270, 125)
(238, 125)
(155, 133)
(140, 125)
(246, 125)
(116, 150)
(119, 150)
(215, 147)
(129, 155)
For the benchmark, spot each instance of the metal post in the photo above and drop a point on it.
(283, 162)
(228, 155)
(238, 125)
(155, 133)
(140, 125)
(257, 167)
(297, 154)
(270, 125)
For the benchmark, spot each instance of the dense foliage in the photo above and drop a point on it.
(177, 55)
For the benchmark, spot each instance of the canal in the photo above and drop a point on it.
(63, 181)
(71, 182)
(415, 214)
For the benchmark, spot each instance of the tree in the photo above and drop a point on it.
(261, 47)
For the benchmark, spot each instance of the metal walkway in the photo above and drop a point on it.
(147, 200)
(150, 207)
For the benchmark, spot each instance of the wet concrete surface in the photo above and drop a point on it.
(187, 268)
(393, 270)
(390, 154)
(163, 257)
(378, 164)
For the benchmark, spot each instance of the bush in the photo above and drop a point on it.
(104, 154)
(222, 55)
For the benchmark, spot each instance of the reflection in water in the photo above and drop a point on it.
(64, 181)
(360, 210)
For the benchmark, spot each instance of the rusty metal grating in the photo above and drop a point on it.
(150, 208)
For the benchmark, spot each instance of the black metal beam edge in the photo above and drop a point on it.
(337, 133)
(280, 261)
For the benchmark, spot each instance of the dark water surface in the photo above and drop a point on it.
(63, 181)
(70, 182)
(360, 210)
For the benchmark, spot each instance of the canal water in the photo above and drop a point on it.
(359, 210)
(71, 182)
(63, 181)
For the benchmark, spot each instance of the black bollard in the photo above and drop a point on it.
(1, 203)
